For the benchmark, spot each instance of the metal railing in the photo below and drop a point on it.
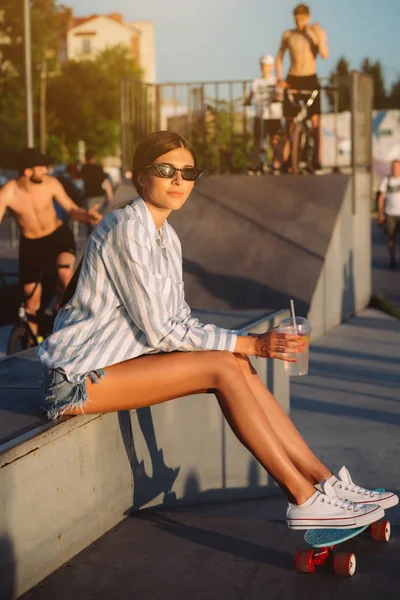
(213, 117)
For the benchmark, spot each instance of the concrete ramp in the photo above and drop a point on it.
(254, 242)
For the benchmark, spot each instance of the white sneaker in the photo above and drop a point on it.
(344, 487)
(324, 510)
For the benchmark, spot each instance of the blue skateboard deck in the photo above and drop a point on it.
(319, 538)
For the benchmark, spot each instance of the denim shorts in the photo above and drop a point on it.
(60, 395)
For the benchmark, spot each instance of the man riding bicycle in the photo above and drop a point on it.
(304, 43)
(44, 239)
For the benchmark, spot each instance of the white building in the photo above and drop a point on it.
(90, 35)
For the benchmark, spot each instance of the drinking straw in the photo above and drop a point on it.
(293, 316)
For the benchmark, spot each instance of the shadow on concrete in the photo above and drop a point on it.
(246, 218)
(339, 390)
(7, 569)
(339, 371)
(371, 323)
(218, 541)
(343, 353)
(329, 408)
(145, 487)
(348, 294)
(240, 292)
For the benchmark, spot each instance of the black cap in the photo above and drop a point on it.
(32, 157)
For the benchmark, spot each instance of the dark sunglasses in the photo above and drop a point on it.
(169, 171)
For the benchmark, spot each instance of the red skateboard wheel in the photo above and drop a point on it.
(344, 563)
(303, 561)
(380, 531)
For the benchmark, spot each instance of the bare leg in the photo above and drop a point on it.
(153, 379)
(315, 121)
(276, 159)
(289, 125)
(33, 303)
(64, 275)
(255, 155)
(292, 442)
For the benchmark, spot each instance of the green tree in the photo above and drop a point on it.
(84, 100)
(375, 70)
(340, 77)
(394, 96)
(48, 24)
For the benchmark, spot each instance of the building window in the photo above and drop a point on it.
(86, 46)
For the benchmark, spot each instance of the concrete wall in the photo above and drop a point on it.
(344, 285)
(65, 486)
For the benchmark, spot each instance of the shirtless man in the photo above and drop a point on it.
(304, 43)
(45, 239)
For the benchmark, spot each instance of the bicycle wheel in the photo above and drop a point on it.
(300, 142)
(20, 339)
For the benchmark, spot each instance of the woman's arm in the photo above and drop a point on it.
(146, 299)
(267, 345)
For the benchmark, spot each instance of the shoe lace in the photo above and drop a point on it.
(357, 489)
(336, 501)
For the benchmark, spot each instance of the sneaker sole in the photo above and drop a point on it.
(337, 523)
(389, 502)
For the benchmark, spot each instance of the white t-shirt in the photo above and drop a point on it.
(263, 93)
(390, 186)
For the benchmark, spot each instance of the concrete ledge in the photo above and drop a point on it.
(63, 486)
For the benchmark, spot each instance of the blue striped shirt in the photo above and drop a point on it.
(129, 300)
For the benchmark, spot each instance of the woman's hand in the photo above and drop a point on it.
(275, 344)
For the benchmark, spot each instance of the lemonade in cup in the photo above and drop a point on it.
(303, 329)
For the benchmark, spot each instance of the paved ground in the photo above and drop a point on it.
(348, 408)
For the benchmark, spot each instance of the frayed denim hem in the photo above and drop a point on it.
(60, 395)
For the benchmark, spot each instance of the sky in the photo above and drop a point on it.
(200, 40)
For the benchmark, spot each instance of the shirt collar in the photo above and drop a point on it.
(139, 205)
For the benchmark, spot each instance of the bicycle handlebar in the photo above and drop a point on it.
(296, 91)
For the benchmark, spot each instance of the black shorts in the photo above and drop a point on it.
(41, 253)
(270, 127)
(306, 82)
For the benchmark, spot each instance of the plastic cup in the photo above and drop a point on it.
(300, 367)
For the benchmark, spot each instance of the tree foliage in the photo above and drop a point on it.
(83, 100)
(340, 78)
(375, 70)
(382, 100)
(394, 97)
(47, 21)
(82, 96)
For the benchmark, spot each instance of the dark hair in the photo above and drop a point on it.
(301, 9)
(90, 154)
(29, 158)
(154, 145)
